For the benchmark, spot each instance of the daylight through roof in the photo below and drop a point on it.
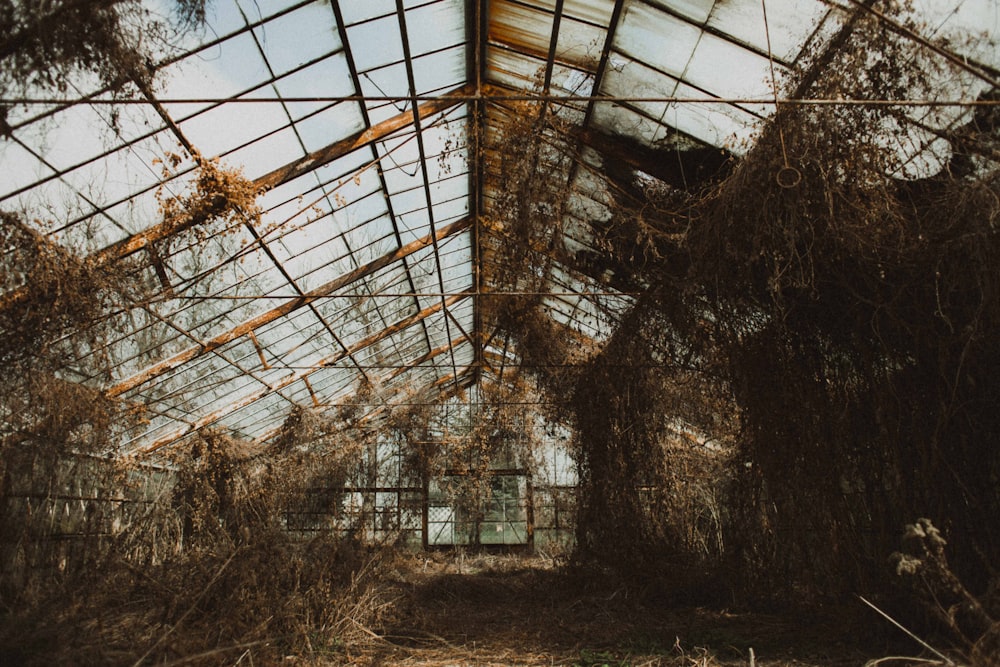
(666, 267)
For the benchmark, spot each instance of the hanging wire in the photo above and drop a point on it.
(788, 176)
(459, 98)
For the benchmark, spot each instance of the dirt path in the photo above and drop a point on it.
(494, 611)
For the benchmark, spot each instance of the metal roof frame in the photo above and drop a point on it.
(373, 243)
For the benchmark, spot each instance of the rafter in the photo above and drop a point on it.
(216, 415)
(290, 171)
(375, 133)
(421, 151)
(436, 352)
(284, 309)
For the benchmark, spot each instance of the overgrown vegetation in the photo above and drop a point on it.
(653, 421)
(226, 551)
(50, 427)
(219, 555)
(810, 363)
(823, 308)
(107, 559)
(855, 306)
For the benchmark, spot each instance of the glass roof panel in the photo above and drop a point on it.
(440, 70)
(226, 128)
(640, 36)
(522, 28)
(298, 37)
(352, 188)
(513, 69)
(255, 419)
(383, 32)
(745, 75)
(788, 24)
(23, 168)
(580, 43)
(956, 20)
(697, 11)
(356, 12)
(225, 70)
(435, 26)
(597, 12)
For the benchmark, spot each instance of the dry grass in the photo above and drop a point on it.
(507, 610)
(271, 601)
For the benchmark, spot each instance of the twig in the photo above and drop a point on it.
(879, 661)
(188, 612)
(216, 651)
(917, 639)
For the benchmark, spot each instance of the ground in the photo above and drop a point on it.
(491, 610)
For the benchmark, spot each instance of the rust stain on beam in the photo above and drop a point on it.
(282, 310)
(216, 415)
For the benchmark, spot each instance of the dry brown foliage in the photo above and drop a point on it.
(523, 238)
(216, 201)
(48, 291)
(856, 305)
(969, 620)
(45, 45)
(199, 563)
(51, 429)
(836, 291)
(654, 436)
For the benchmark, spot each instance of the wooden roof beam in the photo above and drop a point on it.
(290, 171)
(284, 309)
(216, 415)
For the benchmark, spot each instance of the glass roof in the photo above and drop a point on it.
(371, 130)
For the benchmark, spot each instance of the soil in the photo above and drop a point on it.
(496, 610)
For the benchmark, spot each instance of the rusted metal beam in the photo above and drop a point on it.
(284, 309)
(216, 415)
(363, 108)
(550, 61)
(602, 65)
(477, 23)
(421, 151)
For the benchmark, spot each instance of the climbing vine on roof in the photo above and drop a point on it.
(46, 44)
(839, 284)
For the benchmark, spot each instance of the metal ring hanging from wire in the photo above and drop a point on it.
(788, 176)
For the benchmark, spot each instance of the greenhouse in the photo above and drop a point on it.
(500, 332)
